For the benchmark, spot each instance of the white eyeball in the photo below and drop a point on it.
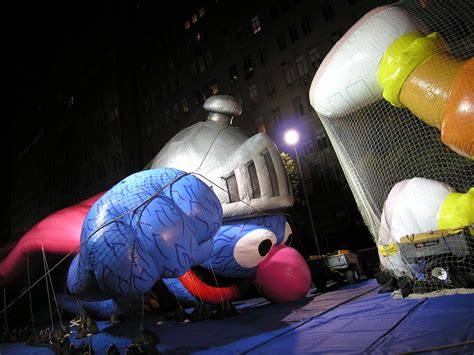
(288, 232)
(253, 247)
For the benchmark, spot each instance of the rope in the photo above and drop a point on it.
(47, 289)
(29, 289)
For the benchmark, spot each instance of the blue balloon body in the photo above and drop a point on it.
(153, 224)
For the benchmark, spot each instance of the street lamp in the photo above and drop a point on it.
(292, 137)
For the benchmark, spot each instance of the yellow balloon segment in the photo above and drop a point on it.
(401, 58)
(457, 210)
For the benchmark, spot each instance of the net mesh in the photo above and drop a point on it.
(380, 145)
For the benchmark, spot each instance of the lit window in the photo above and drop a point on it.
(315, 57)
(185, 106)
(214, 87)
(302, 66)
(260, 125)
(253, 93)
(186, 25)
(201, 12)
(198, 37)
(256, 25)
(194, 18)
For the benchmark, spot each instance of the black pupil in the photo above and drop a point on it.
(264, 247)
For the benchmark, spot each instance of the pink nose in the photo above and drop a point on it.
(283, 276)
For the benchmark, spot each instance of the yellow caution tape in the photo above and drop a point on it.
(401, 58)
(457, 210)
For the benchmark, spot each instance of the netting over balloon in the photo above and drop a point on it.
(396, 97)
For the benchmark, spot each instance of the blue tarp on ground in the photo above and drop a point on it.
(351, 320)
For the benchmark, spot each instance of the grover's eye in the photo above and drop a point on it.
(253, 247)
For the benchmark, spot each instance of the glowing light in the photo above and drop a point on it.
(292, 137)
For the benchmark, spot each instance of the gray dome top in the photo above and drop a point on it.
(222, 108)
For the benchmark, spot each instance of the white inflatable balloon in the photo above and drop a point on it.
(389, 261)
(347, 78)
(417, 207)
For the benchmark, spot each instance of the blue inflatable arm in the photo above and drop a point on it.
(153, 224)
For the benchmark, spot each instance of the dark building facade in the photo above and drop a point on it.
(130, 81)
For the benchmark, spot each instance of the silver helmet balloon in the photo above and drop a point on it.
(246, 172)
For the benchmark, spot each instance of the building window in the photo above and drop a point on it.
(232, 189)
(298, 106)
(248, 65)
(305, 26)
(198, 37)
(214, 87)
(194, 70)
(334, 36)
(281, 41)
(197, 98)
(253, 93)
(227, 43)
(194, 18)
(262, 53)
(206, 91)
(201, 64)
(260, 125)
(201, 12)
(293, 32)
(302, 66)
(168, 117)
(209, 58)
(233, 74)
(290, 75)
(185, 106)
(276, 117)
(256, 25)
(274, 15)
(186, 25)
(270, 87)
(308, 147)
(315, 57)
(322, 141)
(327, 12)
(254, 180)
